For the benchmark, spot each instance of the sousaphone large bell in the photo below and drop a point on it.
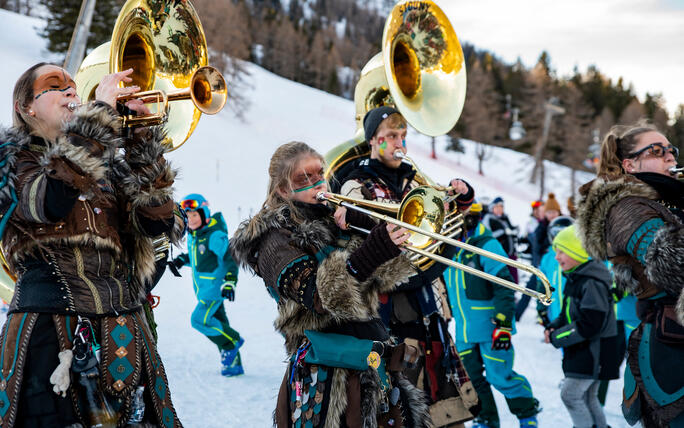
(420, 71)
(163, 42)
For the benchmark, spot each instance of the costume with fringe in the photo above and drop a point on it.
(635, 221)
(79, 221)
(304, 267)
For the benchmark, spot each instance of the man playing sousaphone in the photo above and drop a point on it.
(417, 311)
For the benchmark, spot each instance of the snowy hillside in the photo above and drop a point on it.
(226, 160)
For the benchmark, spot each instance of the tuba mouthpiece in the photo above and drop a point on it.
(398, 154)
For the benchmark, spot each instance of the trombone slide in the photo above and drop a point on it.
(544, 298)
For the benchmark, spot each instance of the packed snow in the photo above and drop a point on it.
(226, 160)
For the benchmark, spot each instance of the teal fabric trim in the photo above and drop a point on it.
(338, 350)
(324, 252)
(382, 373)
(641, 238)
(658, 296)
(652, 387)
(273, 293)
(629, 383)
(70, 334)
(8, 214)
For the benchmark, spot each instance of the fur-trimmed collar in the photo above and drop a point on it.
(311, 234)
(598, 197)
(12, 141)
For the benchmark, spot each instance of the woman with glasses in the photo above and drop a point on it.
(80, 207)
(632, 214)
(343, 370)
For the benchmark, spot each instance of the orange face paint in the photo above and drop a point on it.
(52, 81)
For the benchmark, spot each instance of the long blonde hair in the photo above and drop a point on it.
(280, 171)
(618, 143)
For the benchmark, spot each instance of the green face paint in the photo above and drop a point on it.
(382, 147)
(318, 183)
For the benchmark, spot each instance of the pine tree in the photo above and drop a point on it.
(481, 108)
(633, 112)
(61, 20)
(676, 132)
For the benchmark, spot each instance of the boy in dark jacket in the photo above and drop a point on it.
(586, 330)
(214, 278)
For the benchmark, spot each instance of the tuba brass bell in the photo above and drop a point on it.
(420, 71)
(164, 43)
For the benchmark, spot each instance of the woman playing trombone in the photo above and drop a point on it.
(343, 369)
(78, 215)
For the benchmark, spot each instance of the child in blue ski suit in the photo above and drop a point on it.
(484, 315)
(214, 278)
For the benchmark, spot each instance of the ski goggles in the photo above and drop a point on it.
(657, 150)
(189, 204)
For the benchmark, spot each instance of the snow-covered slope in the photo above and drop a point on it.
(226, 160)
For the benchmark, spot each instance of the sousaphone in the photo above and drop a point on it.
(164, 43)
(420, 71)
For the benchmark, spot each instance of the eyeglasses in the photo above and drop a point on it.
(657, 150)
(189, 204)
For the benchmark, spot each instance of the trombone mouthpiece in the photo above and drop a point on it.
(320, 196)
(676, 170)
(72, 106)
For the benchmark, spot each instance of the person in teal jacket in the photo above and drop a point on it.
(484, 315)
(551, 269)
(214, 278)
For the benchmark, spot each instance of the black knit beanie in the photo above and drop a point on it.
(373, 118)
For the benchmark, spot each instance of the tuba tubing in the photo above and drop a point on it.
(544, 298)
(208, 92)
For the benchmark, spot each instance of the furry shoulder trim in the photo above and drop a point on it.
(96, 121)
(599, 196)
(315, 234)
(11, 142)
(80, 156)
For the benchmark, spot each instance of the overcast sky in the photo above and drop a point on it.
(640, 40)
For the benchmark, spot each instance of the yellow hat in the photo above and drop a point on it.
(475, 208)
(567, 241)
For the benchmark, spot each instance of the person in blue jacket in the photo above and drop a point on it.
(214, 278)
(551, 269)
(484, 315)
